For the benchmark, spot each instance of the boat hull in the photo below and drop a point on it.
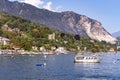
(84, 59)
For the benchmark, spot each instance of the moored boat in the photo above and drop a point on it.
(86, 59)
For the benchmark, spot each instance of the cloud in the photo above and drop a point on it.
(40, 4)
(36, 3)
(48, 6)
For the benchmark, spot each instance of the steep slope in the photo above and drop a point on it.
(68, 21)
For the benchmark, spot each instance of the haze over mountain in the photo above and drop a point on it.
(68, 22)
(116, 34)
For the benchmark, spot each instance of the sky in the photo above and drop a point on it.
(105, 11)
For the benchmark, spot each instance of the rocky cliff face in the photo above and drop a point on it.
(68, 21)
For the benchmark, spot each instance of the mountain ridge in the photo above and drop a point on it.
(116, 34)
(68, 21)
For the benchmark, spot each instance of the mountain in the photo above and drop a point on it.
(116, 34)
(68, 22)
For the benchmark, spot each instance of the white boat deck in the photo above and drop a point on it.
(86, 58)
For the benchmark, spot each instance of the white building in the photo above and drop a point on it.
(61, 50)
(34, 48)
(51, 36)
(53, 48)
(4, 41)
(42, 48)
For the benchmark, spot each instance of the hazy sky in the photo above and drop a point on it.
(105, 11)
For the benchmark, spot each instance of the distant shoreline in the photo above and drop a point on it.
(32, 52)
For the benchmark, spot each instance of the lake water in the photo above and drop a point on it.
(58, 67)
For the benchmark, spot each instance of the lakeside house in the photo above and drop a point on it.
(53, 48)
(34, 48)
(16, 47)
(61, 50)
(42, 49)
(4, 41)
(51, 36)
(6, 27)
(111, 50)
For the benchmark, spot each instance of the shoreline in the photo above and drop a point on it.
(33, 52)
(45, 52)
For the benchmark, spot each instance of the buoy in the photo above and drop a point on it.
(45, 56)
(114, 61)
(39, 64)
(44, 64)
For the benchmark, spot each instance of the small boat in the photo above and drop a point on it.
(43, 64)
(86, 59)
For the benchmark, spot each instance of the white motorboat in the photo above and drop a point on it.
(86, 59)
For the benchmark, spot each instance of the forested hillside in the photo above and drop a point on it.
(25, 34)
